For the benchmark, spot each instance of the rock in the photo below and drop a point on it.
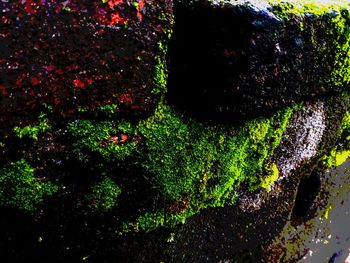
(230, 232)
(73, 56)
(321, 231)
(101, 161)
(235, 59)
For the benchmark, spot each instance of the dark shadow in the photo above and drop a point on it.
(233, 63)
(307, 192)
(211, 53)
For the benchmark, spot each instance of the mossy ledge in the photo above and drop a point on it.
(193, 165)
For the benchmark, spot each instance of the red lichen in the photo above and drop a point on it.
(78, 83)
(113, 3)
(117, 19)
(35, 81)
(140, 7)
(3, 90)
(54, 50)
(126, 98)
(124, 137)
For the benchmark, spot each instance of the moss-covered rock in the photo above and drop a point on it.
(20, 189)
(86, 103)
(104, 195)
(243, 58)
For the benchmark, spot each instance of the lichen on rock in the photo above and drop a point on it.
(20, 189)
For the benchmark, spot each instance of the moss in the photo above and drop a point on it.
(336, 16)
(341, 152)
(108, 109)
(160, 76)
(105, 138)
(287, 7)
(327, 211)
(336, 48)
(67, 9)
(336, 158)
(188, 160)
(33, 131)
(341, 157)
(171, 140)
(203, 165)
(199, 164)
(20, 189)
(306, 7)
(104, 195)
(177, 153)
(160, 69)
(151, 221)
(272, 174)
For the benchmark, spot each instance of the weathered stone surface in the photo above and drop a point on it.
(79, 55)
(241, 58)
(85, 175)
(236, 232)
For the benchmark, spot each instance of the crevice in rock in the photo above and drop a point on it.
(306, 196)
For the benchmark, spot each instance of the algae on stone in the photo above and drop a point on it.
(33, 131)
(341, 152)
(19, 188)
(104, 195)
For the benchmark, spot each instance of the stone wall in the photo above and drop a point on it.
(193, 131)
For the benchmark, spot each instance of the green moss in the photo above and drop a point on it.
(160, 76)
(341, 157)
(304, 7)
(151, 221)
(108, 109)
(135, 4)
(294, 7)
(203, 165)
(19, 188)
(177, 153)
(104, 195)
(160, 69)
(189, 160)
(33, 131)
(346, 123)
(272, 174)
(67, 9)
(336, 17)
(105, 138)
(336, 158)
(341, 152)
(341, 72)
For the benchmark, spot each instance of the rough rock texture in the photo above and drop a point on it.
(100, 161)
(224, 234)
(242, 58)
(74, 55)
